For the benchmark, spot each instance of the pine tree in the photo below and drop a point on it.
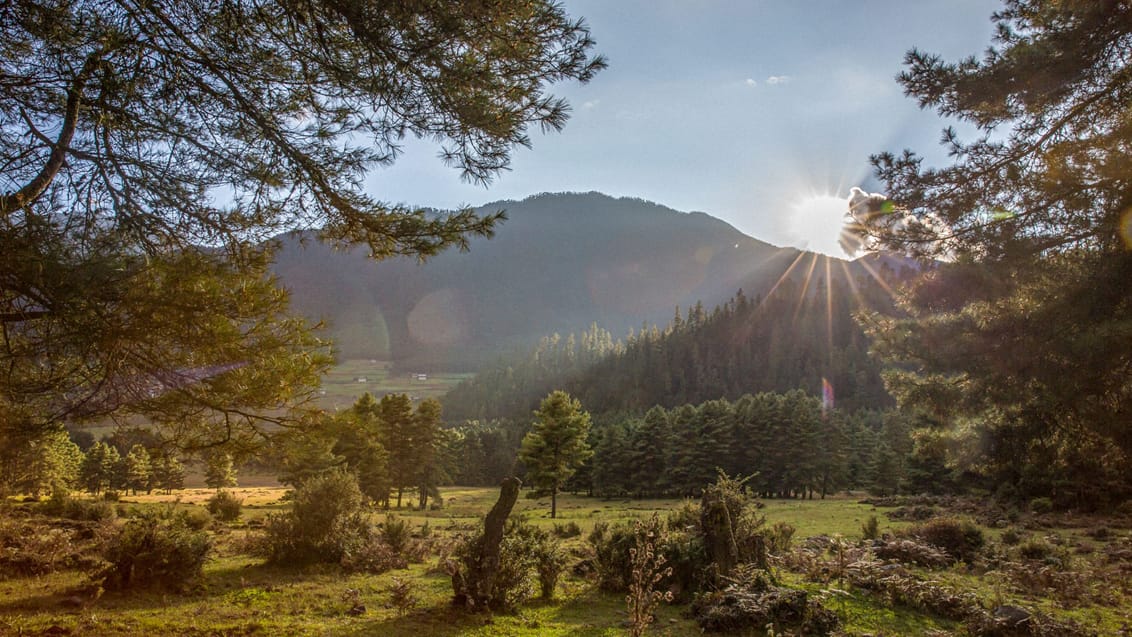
(1024, 332)
(137, 469)
(168, 472)
(556, 444)
(219, 470)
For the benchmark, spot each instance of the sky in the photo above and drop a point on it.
(762, 113)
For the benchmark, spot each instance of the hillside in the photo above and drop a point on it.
(559, 263)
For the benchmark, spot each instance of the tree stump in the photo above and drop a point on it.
(474, 584)
(719, 537)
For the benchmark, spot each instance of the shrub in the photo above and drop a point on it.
(111, 496)
(375, 557)
(64, 505)
(528, 556)
(36, 546)
(568, 530)
(1011, 536)
(155, 550)
(686, 518)
(751, 603)
(1035, 549)
(224, 506)
(913, 552)
(779, 537)
(648, 571)
(396, 533)
(402, 595)
(870, 528)
(1041, 505)
(961, 539)
(326, 522)
(611, 546)
(197, 519)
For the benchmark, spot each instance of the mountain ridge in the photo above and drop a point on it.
(560, 262)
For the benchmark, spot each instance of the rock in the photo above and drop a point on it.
(360, 609)
(1011, 615)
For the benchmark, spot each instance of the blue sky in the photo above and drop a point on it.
(744, 110)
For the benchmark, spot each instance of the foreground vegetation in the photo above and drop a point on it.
(1067, 568)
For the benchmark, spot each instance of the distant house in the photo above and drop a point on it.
(360, 379)
(421, 376)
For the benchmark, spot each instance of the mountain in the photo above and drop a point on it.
(559, 263)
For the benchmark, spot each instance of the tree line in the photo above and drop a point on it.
(795, 336)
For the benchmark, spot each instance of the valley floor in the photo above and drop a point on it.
(241, 596)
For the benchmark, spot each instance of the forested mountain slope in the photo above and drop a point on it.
(559, 263)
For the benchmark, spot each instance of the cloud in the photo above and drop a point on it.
(778, 79)
(750, 82)
(591, 104)
(877, 224)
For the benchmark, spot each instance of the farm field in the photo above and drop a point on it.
(240, 595)
(349, 379)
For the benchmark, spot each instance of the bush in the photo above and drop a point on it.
(612, 563)
(751, 603)
(528, 557)
(197, 519)
(1035, 549)
(1011, 536)
(326, 522)
(225, 507)
(64, 505)
(374, 557)
(870, 528)
(1041, 505)
(913, 552)
(961, 539)
(155, 550)
(396, 533)
(568, 530)
(37, 546)
(779, 537)
(526, 546)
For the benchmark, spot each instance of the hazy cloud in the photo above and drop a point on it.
(591, 104)
(750, 82)
(778, 79)
(876, 224)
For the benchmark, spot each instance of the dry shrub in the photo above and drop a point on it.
(225, 507)
(155, 550)
(375, 557)
(750, 602)
(402, 595)
(37, 546)
(648, 570)
(1069, 588)
(997, 623)
(961, 539)
(909, 551)
(915, 513)
(897, 586)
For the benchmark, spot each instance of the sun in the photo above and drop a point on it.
(815, 224)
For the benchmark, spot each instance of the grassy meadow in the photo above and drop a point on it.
(240, 595)
(347, 380)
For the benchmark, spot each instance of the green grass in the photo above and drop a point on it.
(342, 385)
(242, 596)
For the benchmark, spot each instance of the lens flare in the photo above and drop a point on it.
(1126, 228)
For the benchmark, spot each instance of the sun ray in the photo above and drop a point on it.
(829, 311)
(784, 276)
(852, 284)
(805, 287)
(873, 273)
